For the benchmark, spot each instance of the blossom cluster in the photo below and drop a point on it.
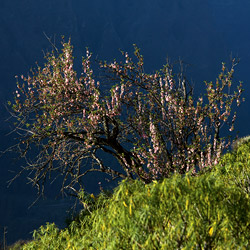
(150, 123)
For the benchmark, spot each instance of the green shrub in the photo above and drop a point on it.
(209, 211)
(234, 167)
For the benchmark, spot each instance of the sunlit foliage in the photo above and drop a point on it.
(208, 211)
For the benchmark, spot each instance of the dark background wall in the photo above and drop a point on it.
(202, 33)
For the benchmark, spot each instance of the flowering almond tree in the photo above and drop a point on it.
(150, 123)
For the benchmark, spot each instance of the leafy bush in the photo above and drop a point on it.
(208, 211)
(234, 166)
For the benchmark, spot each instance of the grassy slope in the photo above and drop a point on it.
(210, 211)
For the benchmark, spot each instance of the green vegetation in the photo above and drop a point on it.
(208, 211)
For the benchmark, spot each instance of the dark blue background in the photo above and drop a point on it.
(202, 33)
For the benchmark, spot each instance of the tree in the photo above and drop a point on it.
(150, 123)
